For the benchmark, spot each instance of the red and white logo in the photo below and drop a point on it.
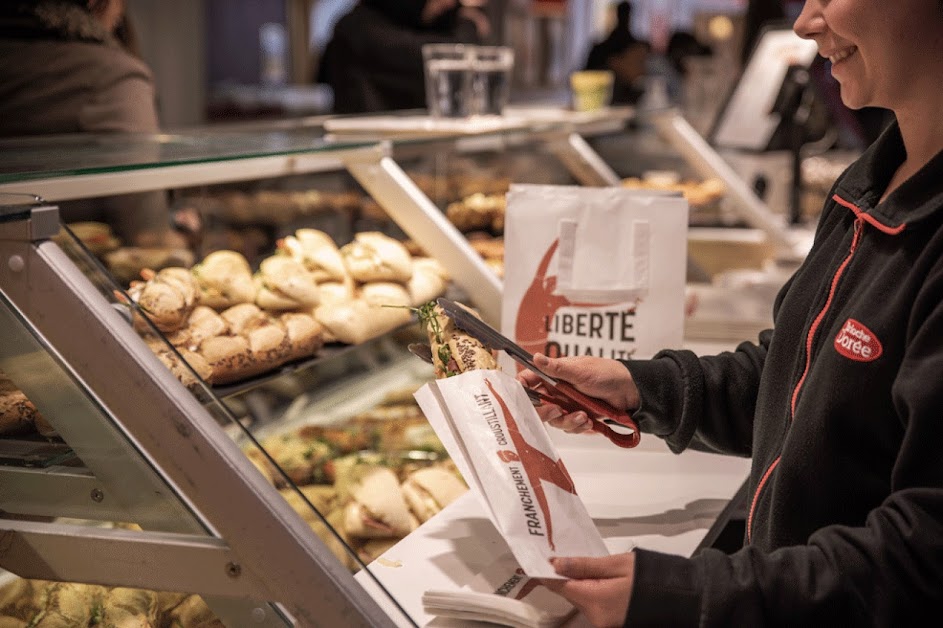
(857, 342)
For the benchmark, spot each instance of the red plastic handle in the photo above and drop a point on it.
(572, 400)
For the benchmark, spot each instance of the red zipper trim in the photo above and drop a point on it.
(756, 497)
(860, 219)
(818, 319)
(868, 218)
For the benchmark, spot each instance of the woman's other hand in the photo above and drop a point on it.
(600, 587)
(602, 378)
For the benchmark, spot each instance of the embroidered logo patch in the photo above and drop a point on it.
(857, 342)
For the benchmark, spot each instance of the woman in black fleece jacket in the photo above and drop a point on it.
(840, 406)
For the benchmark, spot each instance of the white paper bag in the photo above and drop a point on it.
(593, 271)
(501, 594)
(489, 427)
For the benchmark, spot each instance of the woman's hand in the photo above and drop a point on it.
(600, 587)
(602, 378)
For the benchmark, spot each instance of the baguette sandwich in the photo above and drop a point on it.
(453, 350)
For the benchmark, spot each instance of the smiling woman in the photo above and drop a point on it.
(839, 408)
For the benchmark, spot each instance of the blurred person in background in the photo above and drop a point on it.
(624, 55)
(373, 61)
(64, 70)
(71, 66)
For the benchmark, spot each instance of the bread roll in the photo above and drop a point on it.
(229, 357)
(318, 252)
(192, 612)
(285, 284)
(426, 283)
(17, 413)
(204, 322)
(197, 364)
(333, 292)
(124, 606)
(166, 297)
(429, 490)
(385, 294)
(358, 321)
(225, 279)
(378, 508)
(373, 256)
(305, 334)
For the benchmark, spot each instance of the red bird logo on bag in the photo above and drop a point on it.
(538, 466)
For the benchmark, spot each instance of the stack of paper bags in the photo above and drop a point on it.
(501, 594)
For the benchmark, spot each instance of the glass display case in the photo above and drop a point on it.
(163, 431)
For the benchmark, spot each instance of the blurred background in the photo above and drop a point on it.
(225, 60)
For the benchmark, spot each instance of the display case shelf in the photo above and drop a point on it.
(143, 449)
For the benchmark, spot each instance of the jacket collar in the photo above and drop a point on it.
(916, 199)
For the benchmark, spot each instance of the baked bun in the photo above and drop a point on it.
(377, 507)
(428, 281)
(305, 334)
(204, 322)
(385, 294)
(199, 368)
(373, 256)
(225, 279)
(317, 252)
(333, 292)
(285, 284)
(429, 490)
(268, 340)
(478, 211)
(229, 357)
(357, 321)
(167, 297)
(17, 413)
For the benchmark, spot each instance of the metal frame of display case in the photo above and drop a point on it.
(243, 544)
(212, 524)
(375, 168)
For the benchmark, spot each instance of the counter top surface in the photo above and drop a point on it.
(647, 496)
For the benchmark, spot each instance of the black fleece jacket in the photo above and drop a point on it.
(841, 409)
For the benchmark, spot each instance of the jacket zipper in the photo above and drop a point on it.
(859, 223)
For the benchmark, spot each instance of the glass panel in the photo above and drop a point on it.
(311, 425)
(71, 155)
(57, 426)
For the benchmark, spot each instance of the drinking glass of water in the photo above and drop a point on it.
(448, 73)
(491, 80)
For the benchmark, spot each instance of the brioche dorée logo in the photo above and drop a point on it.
(528, 466)
(857, 342)
(551, 324)
(508, 586)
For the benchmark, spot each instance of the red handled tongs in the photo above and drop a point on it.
(604, 417)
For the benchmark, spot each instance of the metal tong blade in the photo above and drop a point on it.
(603, 415)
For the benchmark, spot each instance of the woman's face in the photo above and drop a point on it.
(880, 50)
